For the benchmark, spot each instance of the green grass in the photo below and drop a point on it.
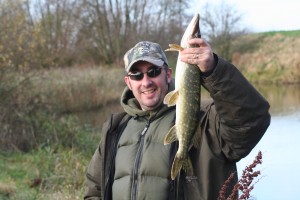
(293, 33)
(61, 174)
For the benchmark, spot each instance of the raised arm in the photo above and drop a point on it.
(240, 115)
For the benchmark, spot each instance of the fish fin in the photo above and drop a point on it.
(171, 136)
(176, 167)
(174, 47)
(185, 164)
(196, 140)
(171, 98)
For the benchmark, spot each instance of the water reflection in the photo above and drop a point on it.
(284, 99)
(97, 117)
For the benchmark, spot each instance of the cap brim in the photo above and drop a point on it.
(156, 62)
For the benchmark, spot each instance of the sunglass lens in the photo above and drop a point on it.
(137, 76)
(154, 72)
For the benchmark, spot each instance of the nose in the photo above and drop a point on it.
(146, 81)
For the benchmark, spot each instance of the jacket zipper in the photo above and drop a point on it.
(137, 161)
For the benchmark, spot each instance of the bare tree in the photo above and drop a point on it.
(114, 26)
(221, 24)
(47, 33)
(56, 24)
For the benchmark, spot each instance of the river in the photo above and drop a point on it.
(279, 146)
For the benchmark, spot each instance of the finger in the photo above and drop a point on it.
(194, 56)
(197, 41)
(193, 50)
(193, 61)
(187, 56)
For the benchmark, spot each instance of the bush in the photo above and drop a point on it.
(34, 106)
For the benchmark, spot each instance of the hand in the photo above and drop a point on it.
(200, 55)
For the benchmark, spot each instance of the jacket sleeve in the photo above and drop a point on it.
(240, 115)
(94, 173)
(99, 167)
(93, 177)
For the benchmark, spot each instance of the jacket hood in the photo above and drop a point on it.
(132, 107)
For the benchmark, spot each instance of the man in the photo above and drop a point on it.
(132, 162)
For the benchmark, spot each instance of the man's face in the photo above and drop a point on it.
(149, 91)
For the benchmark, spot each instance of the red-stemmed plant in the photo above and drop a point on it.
(245, 184)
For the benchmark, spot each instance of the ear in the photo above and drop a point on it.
(127, 81)
(169, 75)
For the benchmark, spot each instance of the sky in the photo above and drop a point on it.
(263, 15)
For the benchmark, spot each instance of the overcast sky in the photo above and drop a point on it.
(263, 15)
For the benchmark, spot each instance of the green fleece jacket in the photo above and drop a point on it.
(127, 165)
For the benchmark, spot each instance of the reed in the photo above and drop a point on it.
(76, 89)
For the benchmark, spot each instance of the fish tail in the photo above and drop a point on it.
(178, 164)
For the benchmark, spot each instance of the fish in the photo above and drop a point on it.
(186, 97)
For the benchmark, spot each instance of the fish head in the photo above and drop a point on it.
(192, 31)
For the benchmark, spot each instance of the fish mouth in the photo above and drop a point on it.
(196, 28)
(192, 31)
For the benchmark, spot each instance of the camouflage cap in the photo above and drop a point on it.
(145, 51)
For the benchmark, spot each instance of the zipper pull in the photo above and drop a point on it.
(146, 128)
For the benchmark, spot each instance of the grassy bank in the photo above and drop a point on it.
(34, 104)
(42, 174)
(270, 57)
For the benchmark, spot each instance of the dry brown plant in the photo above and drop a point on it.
(245, 184)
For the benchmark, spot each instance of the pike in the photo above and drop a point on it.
(187, 98)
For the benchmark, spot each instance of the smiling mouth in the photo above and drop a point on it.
(149, 91)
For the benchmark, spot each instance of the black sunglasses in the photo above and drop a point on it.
(152, 73)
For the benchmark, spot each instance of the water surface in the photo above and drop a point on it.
(280, 146)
